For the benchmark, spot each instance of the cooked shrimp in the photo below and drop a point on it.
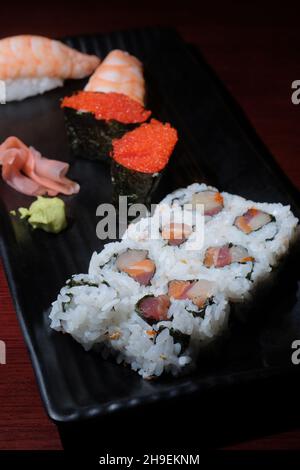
(119, 72)
(29, 56)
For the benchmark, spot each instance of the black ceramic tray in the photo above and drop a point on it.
(215, 145)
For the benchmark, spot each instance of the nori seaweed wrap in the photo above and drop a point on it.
(138, 160)
(137, 186)
(94, 119)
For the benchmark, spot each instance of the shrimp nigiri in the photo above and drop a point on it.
(30, 65)
(119, 72)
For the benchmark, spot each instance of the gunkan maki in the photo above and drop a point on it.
(94, 119)
(138, 159)
(111, 104)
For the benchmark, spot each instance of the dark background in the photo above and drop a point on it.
(254, 48)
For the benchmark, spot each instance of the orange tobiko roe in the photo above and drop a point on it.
(108, 106)
(146, 149)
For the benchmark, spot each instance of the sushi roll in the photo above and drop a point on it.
(154, 303)
(242, 242)
(111, 104)
(266, 229)
(31, 65)
(139, 158)
(154, 334)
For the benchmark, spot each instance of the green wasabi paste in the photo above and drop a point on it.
(48, 214)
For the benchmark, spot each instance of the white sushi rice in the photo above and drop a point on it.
(85, 311)
(20, 88)
(106, 315)
(96, 316)
(274, 238)
(237, 281)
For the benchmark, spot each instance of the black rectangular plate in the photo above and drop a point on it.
(216, 145)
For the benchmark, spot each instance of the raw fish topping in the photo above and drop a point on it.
(211, 200)
(108, 106)
(197, 291)
(252, 220)
(176, 233)
(221, 256)
(146, 149)
(136, 264)
(153, 309)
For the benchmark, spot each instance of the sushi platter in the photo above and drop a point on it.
(148, 317)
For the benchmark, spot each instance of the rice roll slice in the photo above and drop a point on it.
(220, 256)
(212, 202)
(176, 233)
(137, 265)
(94, 119)
(153, 308)
(253, 220)
(139, 158)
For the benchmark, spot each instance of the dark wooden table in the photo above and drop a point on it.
(255, 50)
